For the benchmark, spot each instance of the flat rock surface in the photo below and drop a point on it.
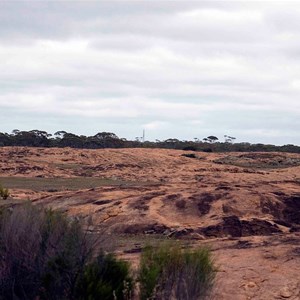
(246, 206)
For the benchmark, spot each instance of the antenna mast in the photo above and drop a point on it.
(143, 135)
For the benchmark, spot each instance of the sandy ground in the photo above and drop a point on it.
(246, 206)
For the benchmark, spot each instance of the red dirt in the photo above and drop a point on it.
(246, 206)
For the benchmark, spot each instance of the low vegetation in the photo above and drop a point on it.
(38, 138)
(60, 184)
(4, 193)
(167, 272)
(46, 255)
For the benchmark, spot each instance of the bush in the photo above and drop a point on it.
(104, 278)
(190, 148)
(170, 273)
(46, 255)
(4, 193)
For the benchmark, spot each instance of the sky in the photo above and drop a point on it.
(178, 69)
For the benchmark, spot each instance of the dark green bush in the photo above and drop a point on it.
(168, 272)
(45, 255)
(104, 278)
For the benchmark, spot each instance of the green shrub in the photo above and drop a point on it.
(168, 272)
(105, 278)
(46, 255)
(4, 193)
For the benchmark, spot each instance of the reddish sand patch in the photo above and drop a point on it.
(245, 205)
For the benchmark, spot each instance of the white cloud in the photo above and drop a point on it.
(171, 67)
(155, 125)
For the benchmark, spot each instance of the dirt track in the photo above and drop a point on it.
(246, 206)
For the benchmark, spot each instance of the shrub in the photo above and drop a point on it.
(46, 255)
(190, 148)
(208, 150)
(4, 193)
(105, 278)
(170, 273)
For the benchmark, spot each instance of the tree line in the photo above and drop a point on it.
(39, 138)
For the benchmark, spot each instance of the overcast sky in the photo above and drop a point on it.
(178, 69)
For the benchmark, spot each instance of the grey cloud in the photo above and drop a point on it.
(60, 19)
(166, 65)
(53, 19)
(286, 19)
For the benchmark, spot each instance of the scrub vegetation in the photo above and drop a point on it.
(167, 272)
(4, 193)
(38, 138)
(47, 255)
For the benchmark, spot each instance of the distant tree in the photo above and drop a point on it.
(60, 134)
(71, 140)
(5, 139)
(212, 138)
(15, 131)
(106, 136)
(39, 138)
(33, 138)
(172, 141)
(108, 140)
(229, 139)
(40, 133)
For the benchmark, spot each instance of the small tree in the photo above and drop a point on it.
(229, 139)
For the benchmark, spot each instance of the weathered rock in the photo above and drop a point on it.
(285, 292)
(234, 227)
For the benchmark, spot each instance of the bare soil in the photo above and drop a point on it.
(245, 206)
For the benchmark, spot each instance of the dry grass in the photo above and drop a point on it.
(61, 184)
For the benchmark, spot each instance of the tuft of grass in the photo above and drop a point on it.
(167, 272)
(4, 193)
